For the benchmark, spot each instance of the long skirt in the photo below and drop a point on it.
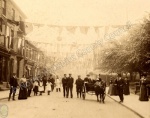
(35, 89)
(143, 93)
(126, 90)
(115, 88)
(111, 89)
(23, 92)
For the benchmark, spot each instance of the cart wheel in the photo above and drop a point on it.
(83, 95)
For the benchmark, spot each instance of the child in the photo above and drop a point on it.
(58, 84)
(35, 87)
(48, 87)
(41, 89)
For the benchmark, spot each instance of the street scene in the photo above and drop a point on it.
(74, 59)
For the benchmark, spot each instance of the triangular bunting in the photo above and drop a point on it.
(71, 29)
(84, 29)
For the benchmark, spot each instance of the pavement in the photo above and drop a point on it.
(141, 108)
(131, 103)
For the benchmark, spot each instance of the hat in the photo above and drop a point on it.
(87, 75)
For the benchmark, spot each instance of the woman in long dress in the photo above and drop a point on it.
(110, 86)
(110, 91)
(23, 88)
(143, 89)
(126, 87)
(115, 87)
(58, 84)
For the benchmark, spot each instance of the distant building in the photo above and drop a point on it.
(34, 60)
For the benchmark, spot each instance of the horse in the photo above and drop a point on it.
(99, 88)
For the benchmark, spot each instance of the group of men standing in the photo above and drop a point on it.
(67, 83)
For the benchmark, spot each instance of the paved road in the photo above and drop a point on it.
(55, 106)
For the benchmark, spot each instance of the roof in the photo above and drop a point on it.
(18, 8)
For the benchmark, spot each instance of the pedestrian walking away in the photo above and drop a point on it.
(120, 85)
(13, 85)
(23, 94)
(70, 81)
(79, 86)
(64, 84)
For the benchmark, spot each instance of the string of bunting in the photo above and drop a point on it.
(28, 26)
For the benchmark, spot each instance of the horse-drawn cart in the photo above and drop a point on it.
(97, 88)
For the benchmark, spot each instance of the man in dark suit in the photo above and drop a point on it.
(52, 80)
(87, 80)
(70, 82)
(64, 83)
(120, 84)
(79, 85)
(44, 79)
(13, 86)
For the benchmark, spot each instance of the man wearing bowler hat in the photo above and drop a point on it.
(120, 84)
(64, 83)
(70, 81)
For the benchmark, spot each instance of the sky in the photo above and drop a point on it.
(80, 13)
(84, 12)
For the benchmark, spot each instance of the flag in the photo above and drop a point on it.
(71, 29)
(106, 29)
(84, 29)
(28, 27)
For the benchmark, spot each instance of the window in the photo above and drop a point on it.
(12, 39)
(20, 19)
(13, 14)
(4, 7)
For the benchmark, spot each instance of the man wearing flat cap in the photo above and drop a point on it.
(70, 81)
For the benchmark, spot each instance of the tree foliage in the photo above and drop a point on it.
(131, 53)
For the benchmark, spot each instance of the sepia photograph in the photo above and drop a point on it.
(74, 59)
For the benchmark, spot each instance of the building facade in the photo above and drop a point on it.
(12, 39)
(34, 60)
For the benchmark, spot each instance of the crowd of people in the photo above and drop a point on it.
(120, 87)
(40, 85)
